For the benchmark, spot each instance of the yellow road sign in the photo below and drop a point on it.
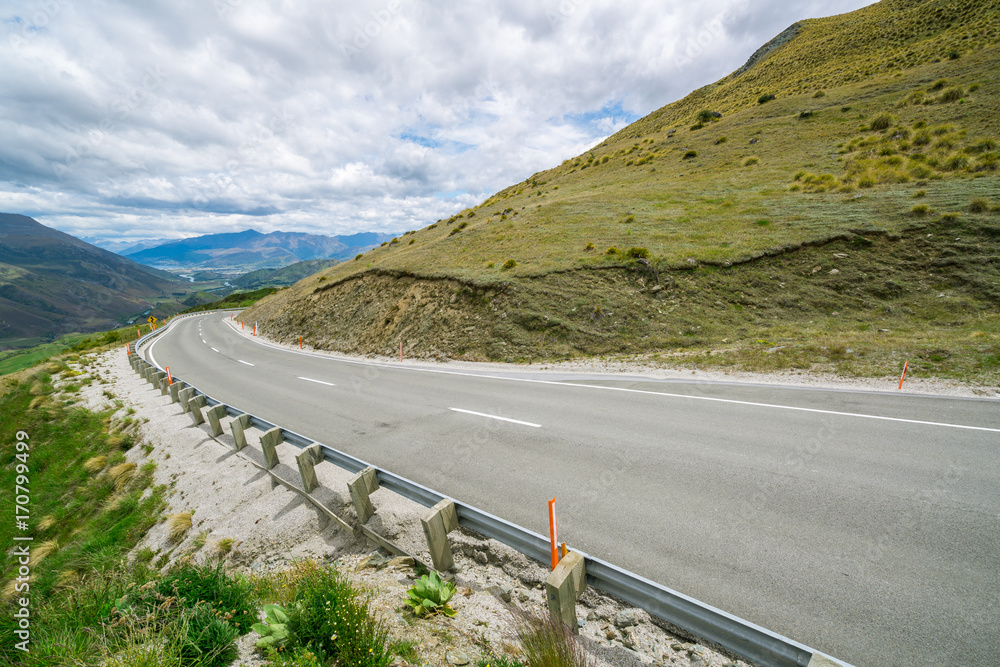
(151, 320)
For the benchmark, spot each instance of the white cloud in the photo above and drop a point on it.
(182, 117)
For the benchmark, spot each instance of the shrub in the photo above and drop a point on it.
(949, 217)
(412, 241)
(750, 161)
(805, 114)
(720, 140)
(508, 265)
(979, 205)
(819, 94)
(706, 116)
(766, 97)
(384, 244)
(358, 256)
(920, 210)
(919, 193)
(637, 253)
(881, 122)
(690, 154)
(612, 251)
(588, 247)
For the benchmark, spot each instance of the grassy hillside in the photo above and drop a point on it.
(880, 144)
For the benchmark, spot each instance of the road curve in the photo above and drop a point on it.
(863, 524)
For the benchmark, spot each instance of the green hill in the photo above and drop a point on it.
(847, 222)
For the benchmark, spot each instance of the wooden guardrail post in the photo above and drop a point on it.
(215, 415)
(564, 586)
(184, 396)
(268, 442)
(361, 486)
(442, 520)
(174, 391)
(239, 426)
(163, 386)
(195, 404)
(307, 460)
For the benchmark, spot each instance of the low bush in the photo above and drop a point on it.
(750, 161)
(637, 253)
(508, 265)
(881, 122)
(690, 154)
(766, 97)
(920, 210)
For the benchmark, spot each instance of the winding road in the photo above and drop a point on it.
(864, 524)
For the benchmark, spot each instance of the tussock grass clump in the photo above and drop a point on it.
(179, 525)
(881, 122)
(690, 154)
(508, 265)
(547, 642)
(122, 474)
(920, 210)
(979, 205)
(750, 161)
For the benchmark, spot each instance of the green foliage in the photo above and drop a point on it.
(920, 210)
(235, 300)
(499, 660)
(430, 596)
(358, 256)
(330, 618)
(765, 98)
(509, 264)
(274, 630)
(750, 161)
(209, 641)
(637, 253)
(230, 595)
(690, 154)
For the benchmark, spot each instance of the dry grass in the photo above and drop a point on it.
(95, 464)
(179, 524)
(122, 474)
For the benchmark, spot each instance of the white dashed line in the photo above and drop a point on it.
(244, 362)
(328, 384)
(503, 419)
(214, 350)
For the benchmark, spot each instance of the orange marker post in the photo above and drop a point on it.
(138, 334)
(128, 349)
(300, 342)
(170, 378)
(400, 351)
(903, 376)
(552, 533)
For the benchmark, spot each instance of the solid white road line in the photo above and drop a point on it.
(597, 387)
(503, 419)
(214, 350)
(328, 384)
(244, 362)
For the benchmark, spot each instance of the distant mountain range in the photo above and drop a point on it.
(252, 250)
(52, 283)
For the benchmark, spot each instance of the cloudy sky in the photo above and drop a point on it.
(174, 118)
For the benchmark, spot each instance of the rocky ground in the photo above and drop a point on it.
(233, 498)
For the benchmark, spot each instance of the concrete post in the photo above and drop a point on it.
(174, 390)
(239, 426)
(564, 586)
(184, 396)
(215, 415)
(361, 486)
(306, 460)
(442, 520)
(268, 442)
(195, 405)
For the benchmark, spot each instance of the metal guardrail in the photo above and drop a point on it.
(745, 639)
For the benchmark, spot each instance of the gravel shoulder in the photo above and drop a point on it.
(232, 497)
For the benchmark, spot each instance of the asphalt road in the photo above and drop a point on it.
(865, 525)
